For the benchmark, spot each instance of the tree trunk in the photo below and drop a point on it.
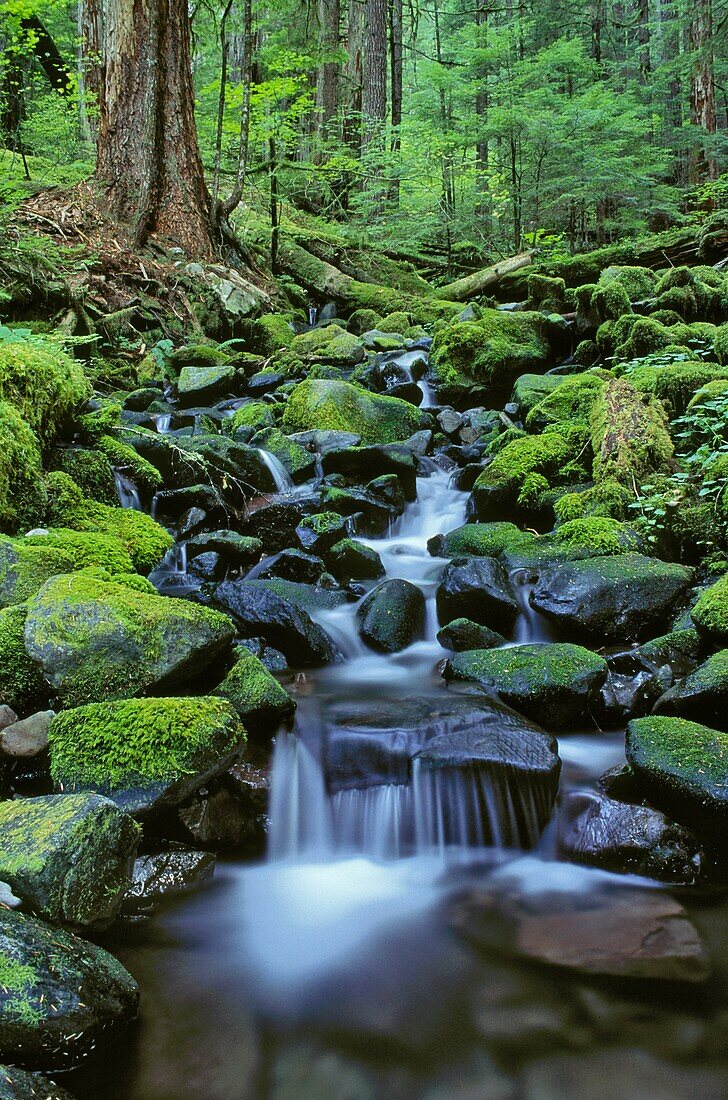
(702, 90)
(355, 32)
(327, 86)
(472, 285)
(224, 54)
(374, 87)
(395, 78)
(643, 39)
(148, 156)
(236, 195)
(91, 19)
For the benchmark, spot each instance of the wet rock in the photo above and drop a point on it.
(197, 385)
(634, 1074)
(265, 381)
(361, 463)
(710, 613)
(232, 813)
(619, 837)
(449, 421)
(350, 560)
(322, 440)
(60, 994)
(144, 753)
(257, 696)
(165, 874)
(261, 612)
(701, 696)
(68, 856)
(623, 597)
(577, 921)
(392, 616)
(292, 565)
(18, 1084)
(274, 524)
(238, 551)
(234, 468)
(320, 532)
(555, 684)
(7, 716)
(138, 639)
(682, 767)
(373, 514)
(480, 589)
(208, 566)
(28, 737)
(273, 659)
(463, 634)
(320, 402)
(296, 461)
(308, 597)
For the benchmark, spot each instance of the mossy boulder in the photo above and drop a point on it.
(460, 634)
(91, 469)
(555, 684)
(25, 568)
(479, 588)
(68, 856)
(253, 414)
(607, 498)
(630, 437)
(331, 344)
(260, 701)
(363, 320)
(675, 384)
(702, 695)
(200, 385)
(350, 560)
(682, 766)
(489, 353)
(124, 457)
(710, 613)
(22, 686)
(144, 753)
(294, 458)
(343, 406)
(270, 333)
(22, 489)
(596, 536)
(573, 400)
(392, 616)
(638, 282)
(530, 389)
(96, 639)
(480, 540)
(84, 548)
(44, 384)
(615, 598)
(60, 994)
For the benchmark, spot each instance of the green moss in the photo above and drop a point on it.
(297, 460)
(270, 333)
(493, 350)
(675, 383)
(23, 994)
(679, 754)
(342, 406)
(546, 454)
(198, 355)
(530, 389)
(710, 613)
(638, 282)
(532, 491)
(720, 345)
(487, 540)
(573, 400)
(546, 293)
(25, 567)
(126, 458)
(85, 548)
(608, 498)
(363, 320)
(44, 384)
(21, 684)
(22, 490)
(331, 344)
(254, 693)
(91, 470)
(610, 301)
(398, 322)
(598, 535)
(629, 435)
(254, 414)
(139, 742)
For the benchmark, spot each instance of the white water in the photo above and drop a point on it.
(127, 492)
(163, 421)
(531, 627)
(281, 478)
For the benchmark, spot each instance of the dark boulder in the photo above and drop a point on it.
(260, 612)
(392, 616)
(166, 874)
(480, 589)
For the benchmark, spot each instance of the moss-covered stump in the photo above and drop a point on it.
(629, 435)
(96, 639)
(258, 698)
(710, 613)
(682, 766)
(144, 753)
(18, 1084)
(320, 403)
(621, 597)
(702, 695)
(555, 685)
(68, 856)
(58, 994)
(488, 354)
(22, 686)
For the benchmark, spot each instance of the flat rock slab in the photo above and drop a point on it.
(564, 919)
(58, 994)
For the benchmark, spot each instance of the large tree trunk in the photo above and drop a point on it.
(353, 74)
(374, 87)
(148, 156)
(327, 85)
(702, 90)
(395, 78)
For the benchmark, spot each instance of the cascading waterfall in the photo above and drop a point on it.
(531, 627)
(127, 491)
(281, 478)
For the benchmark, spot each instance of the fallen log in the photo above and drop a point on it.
(470, 286)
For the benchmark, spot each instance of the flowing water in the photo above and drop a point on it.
(330, 971)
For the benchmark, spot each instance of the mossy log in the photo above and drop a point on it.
(629, 435)
(470, 286)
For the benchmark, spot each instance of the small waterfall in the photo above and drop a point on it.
(428, 395)
(531, 627)
(163, 422)
(176, 559)
(127, 492)
(299, 811)
(312, 316)
(281, 477)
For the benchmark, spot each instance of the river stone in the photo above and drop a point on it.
(98, 640)
(597, 830)
(144, 753)
(237, 550)
(24, 568)
(322, 402)
(68, 856)
(320, 532)
(683, 767)
(165, 874)
(373, 514)
(233, 468)
(350, 560)
(360, 464)
(619, 598)
(580, 920)
(261, 612)
(463, 634)
(392, 616)
(18, 1084)
(702, 695)
(624, 1073)
(28, 737)
(378, 742)
(292, 565)
(60, 993)
(7, 716)
(261, 702)
(556, 684)
(480, 589)
(198, 385)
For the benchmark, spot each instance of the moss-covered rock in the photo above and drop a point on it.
(342, 406)
(124, 457)
(84, 548)
(702, 695)
(19, 1084)
(68, 856)
(22, 686)
(44, 384)
(682, 766)
(607, 498)
(710, 613)
(22, 489)
(91, 470)
(620, 598)
(261, 702)
(530, 389)
(553, 684)
(597, 535)
(546, 293)
(95, 639)
(490, 352)
(363, 320)
(299, 462)
(270, 333)
(463, 634)
(199, 385)
(638, 282)
(720, 345)
(253, 414)
(392, 616)
(144, 753)
(629, 435)
(59, 993)
(350, 560)
(675, 384)
(331, 344)
(489, 540)
(24, 568)
(572, 401)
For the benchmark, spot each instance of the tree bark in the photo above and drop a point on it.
(374, 87)
(702, 89)
(354, 39)
(472, 285)
(395, 79)
(236, 195)
(148, 156)
(327, 85)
